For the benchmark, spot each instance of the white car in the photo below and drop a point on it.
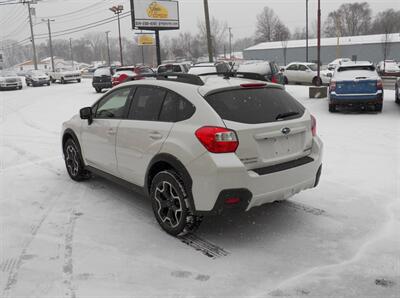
(305, 73)
(64, 75)
(173, 67)
(9, 80)
(197, 146)
(388, 68)
(337, 62)
(204, 68)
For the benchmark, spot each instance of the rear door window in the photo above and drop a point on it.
(254, 106)
(176, 108)
(147, 103)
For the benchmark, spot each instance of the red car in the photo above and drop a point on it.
(129, 73)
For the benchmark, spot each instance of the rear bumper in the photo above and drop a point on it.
(218, 177)
(374, 98)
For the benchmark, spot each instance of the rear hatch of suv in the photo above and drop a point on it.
(102, 75)
(272, 127)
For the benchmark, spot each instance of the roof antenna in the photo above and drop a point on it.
(229, 73)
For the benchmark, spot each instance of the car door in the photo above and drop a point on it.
(304, 74)
(291, 73)
(99, 137)
(141, 135)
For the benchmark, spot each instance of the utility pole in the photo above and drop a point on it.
(50, 43)
(108, 48)
(72, 54)
(230, 42)
(117, 10)
(319, 42)
(338, 36)
(306, 30)
(32, 35)
(158, 49)
(208, 29)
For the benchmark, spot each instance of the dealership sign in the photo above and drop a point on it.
(155, 15)
(146, 40)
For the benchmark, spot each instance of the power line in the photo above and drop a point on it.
(74, 12)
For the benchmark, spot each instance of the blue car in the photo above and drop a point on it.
(356, 84)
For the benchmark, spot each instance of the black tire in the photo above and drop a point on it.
(285, 80)
(52, 80)
(48, 84)
(98, 90)
(74, 161)
(397, 95)
(169, 202)
(317, 81)
(62, 81)
(378, 107)
(332, 108)
(78, 80)
(20, 87)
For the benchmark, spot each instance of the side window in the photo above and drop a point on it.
(147, 103)
(303, 67)
(293, 67)
(176, 108)
(113, 105)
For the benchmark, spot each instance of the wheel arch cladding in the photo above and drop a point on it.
(162, 162)
(70, 134)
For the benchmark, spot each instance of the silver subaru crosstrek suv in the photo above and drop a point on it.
(197, 145)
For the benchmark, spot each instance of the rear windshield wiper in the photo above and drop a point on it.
(286, 115)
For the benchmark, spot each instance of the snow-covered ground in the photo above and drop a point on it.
(59, 238)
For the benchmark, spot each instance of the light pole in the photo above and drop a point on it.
(117, 10)
(306, 30)
(208, 29)
(319, 43)
(72, 54)
(230, 42)
(32, 35)
(50, 42)
(108, 48)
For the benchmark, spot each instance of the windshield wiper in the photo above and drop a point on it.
(285, 115)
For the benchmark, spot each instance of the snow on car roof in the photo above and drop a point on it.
(348, 40)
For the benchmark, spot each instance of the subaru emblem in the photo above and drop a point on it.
(285, 130)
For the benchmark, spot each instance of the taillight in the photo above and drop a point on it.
(313, 126)
(122, 77)
(274, 80)
(218, 139)
(379, 84)
(332, 86)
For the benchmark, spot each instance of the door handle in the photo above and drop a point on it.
(111, 132)
(155, 135)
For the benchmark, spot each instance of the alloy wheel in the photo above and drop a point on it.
(169, 203)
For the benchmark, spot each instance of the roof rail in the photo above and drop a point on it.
(175, 77)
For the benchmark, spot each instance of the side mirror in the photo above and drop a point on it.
(282, 70)
(86, 114)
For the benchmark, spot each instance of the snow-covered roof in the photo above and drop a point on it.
(348, 40)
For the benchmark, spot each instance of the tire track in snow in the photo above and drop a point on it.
(205, 247)
(382, 233)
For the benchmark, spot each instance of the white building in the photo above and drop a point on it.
(45, 65)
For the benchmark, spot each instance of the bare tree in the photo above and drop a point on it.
(218, 34)
(266, 22)
(282, 34)
(349, 19)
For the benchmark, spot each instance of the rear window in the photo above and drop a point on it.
(102, 72)
(169, 68)
(359, 67)
(253, 106)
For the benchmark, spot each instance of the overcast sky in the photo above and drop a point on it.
(239, 14)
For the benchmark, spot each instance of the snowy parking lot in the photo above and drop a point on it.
(59, 238)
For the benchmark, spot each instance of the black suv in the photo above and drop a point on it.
(102, 78)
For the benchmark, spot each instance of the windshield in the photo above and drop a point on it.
(8, 74)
